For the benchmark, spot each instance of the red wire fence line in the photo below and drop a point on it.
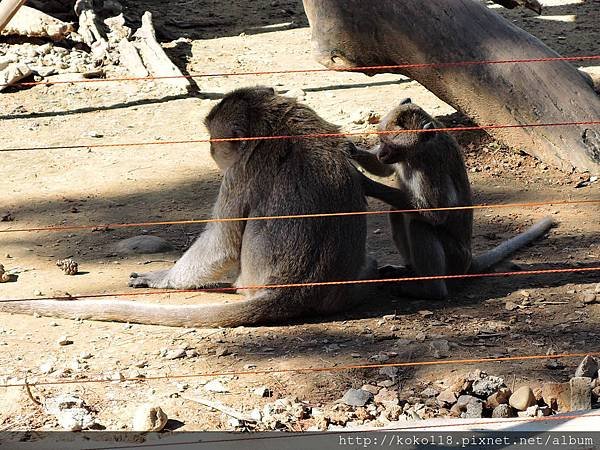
(59, 228)
(439, 65)
(341, 368)
(75, 297)
(305, 136)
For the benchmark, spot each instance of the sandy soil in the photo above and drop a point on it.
(132, 184)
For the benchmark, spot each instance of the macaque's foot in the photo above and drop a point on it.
(390, 271)
(157, 279)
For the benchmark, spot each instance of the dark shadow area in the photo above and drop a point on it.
(575, 38)
(208, 19)
(181, 54)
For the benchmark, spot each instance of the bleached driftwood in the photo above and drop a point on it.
(12, 74)
(33, 23)
(90, 26)
(154, 57)
(130, 59)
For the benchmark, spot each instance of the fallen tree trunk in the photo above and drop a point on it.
(355, 33)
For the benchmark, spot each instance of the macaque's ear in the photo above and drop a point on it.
(265, 90)
(429, 126)
(406, 101)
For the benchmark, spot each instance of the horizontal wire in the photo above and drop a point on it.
(310, 369)
(303, 136)
(319, 70)
(59, 228)
(74, 297)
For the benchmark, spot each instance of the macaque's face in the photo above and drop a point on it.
(407, 116)
(225, 154)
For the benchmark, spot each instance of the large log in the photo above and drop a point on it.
(8, 9)
(355, 33)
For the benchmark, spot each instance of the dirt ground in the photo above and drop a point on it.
(177, 182)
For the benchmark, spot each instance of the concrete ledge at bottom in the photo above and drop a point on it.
(571, 421)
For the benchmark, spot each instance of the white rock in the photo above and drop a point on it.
(47, 367)
(215, 386)
(71, 412)
(176, 353)
(143, 244)
(148, 417)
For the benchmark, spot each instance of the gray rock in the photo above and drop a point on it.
(391, 372)
(587, 368)
(474, 410)
(176, 353)
(429, 392)
(356, 397)
(502, 412)
(484, 387)
(143, 245)
(440, 348)
(447, 396)
(581, 393)
(464, 400)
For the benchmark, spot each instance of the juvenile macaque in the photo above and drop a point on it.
(430, 171)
